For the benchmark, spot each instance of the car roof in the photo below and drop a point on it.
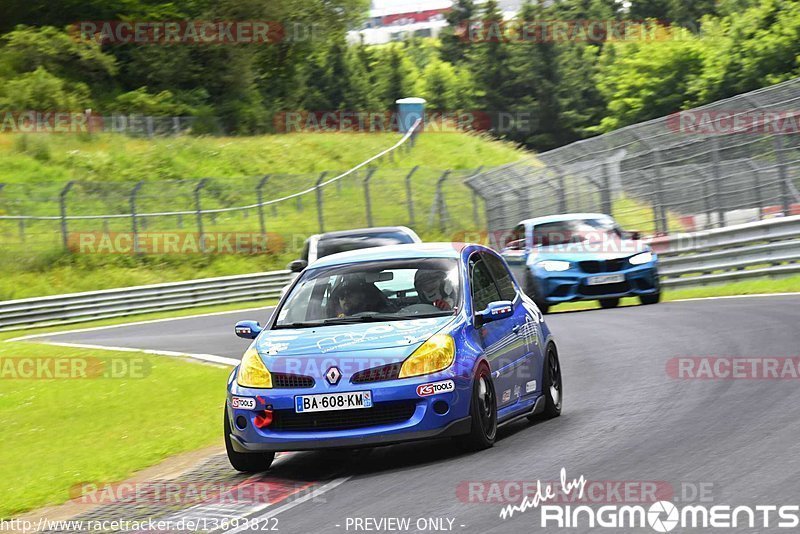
(563, 217)
(368, 231)
(392, 252)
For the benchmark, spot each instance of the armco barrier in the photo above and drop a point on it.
(765, 248)
(760, 249)
(89, 306)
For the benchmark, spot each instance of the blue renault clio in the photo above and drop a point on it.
(391, 344)
(581, 256)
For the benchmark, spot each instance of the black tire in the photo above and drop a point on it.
(245, 462)
(552, 386)
(483, 413)
(653, 298)
(609, 303)
(544, 307)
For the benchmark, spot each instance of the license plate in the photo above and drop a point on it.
(333, 401)
(605, 279)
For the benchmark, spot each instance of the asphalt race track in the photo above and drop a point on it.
(625, 419)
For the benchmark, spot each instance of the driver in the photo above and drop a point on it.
(354, 296)
(434, 288)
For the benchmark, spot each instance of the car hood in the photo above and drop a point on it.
(325, 340)
(575, 252)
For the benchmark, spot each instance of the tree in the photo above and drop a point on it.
(453, 37)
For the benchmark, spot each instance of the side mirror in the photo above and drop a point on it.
(247, 329)
(495, 311)
(297, 265)
(635, 235)
(519, 244)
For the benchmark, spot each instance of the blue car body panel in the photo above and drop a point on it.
(586, 261)
(512, 347)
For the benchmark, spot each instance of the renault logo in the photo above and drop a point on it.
(333, 375)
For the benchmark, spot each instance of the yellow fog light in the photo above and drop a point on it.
(436, 354)
(252, 372)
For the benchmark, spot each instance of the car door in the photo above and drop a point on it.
(497, 337)
(526, 354)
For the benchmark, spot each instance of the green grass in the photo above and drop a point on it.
(36, 168)
(62, 432)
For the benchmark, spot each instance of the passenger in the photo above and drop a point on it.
(434, 288)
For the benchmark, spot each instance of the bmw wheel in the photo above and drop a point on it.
(653, 298)
(609, 303)
(543, 306)
(552, 386)
(244, 462)
(483, 412)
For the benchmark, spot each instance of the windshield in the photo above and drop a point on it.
(332, 245)
(575, 231)
(383, 290)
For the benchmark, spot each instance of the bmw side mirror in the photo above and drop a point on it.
(495, 311)
(297, 265)
(247, 329)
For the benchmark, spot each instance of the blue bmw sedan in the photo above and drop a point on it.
(391, 344)
(582, 256)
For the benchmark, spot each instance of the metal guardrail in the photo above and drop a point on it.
(764, 248)
(92, 305)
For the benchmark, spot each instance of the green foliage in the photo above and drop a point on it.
(39, 90)
(556, 92)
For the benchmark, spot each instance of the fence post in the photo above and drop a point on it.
(318, 191)
(717, 180)
(659, 210)
(409, 197)
(757, 189)
(440, 203)
(260, 195)
(370, 172)
(605, 190)
(786, 203)
(22, 230)
(199, 211)
(62, 202)
(134, 222)
(562, 192)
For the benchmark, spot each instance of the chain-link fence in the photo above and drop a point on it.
(45, 216)
(730, 162)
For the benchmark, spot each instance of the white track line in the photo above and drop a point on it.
(755, 295)
(212, 358)
(289, 505)
(135, 323)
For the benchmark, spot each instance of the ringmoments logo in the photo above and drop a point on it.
(661, 516)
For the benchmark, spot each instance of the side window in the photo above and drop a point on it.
(501, 276)
(304, 255)
(483, 289)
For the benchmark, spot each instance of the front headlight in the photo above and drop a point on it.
(554, 265)
(436, 354)
(252, 372)
(639, 259)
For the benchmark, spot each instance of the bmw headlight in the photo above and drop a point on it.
(554, 265)
(642, 258)
(252, 372)
(436, 354)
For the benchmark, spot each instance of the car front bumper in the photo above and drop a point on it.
(572, 285)
(422, 422)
